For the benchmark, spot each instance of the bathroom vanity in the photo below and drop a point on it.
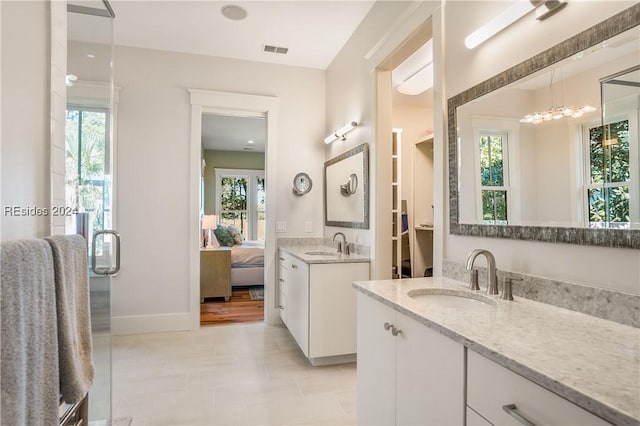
(432, 352)
(318, 302)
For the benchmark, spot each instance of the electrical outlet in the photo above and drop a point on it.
(308, 226)
(281, 226)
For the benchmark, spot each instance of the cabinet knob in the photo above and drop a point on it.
(387, 326)
(281, 280)
(395, 331)
(281, 307)
(282, 258)
(294, 266)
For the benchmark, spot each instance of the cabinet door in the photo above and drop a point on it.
(429, 376)
(332, 307)
(376, 363)
(298, 303)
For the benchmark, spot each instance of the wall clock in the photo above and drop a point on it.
(302, 184)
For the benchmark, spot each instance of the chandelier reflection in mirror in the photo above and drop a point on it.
(556, 112)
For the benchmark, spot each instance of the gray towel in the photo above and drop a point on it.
(74, 323)
(29, 366)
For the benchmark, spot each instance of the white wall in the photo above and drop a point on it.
(351, 95)
(152, 290)
(617, 269)
(25, 116)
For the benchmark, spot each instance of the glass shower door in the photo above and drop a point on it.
(89, 176)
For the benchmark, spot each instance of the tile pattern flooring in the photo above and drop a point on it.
(242, 374)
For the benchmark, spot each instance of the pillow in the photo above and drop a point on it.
(223, 235)
(235, 234)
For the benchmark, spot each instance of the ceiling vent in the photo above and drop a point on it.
(275, 49)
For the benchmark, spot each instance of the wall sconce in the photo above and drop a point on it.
(350, 187)
(341, 132)
(544, 9)
(209, 223)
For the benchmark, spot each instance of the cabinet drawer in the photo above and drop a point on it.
(490, 387)
(287, 261)
(475, 419)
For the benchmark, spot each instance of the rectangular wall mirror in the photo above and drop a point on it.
(346, 189)
(548, 150)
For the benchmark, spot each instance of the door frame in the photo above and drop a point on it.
(207, 101)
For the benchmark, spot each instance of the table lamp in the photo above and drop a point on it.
(209, 222)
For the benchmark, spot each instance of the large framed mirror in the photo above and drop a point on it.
(548, 150)
(346, 189)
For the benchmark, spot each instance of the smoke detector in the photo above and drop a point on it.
(234, 12)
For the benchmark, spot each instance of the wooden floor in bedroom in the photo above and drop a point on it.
(239, 308)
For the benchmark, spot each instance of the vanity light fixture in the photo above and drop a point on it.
(544, 9)
(341, 132)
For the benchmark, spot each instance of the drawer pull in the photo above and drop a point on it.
(512, 410)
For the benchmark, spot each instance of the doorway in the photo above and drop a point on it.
(234, 195)
(405, 103)
(231, 104)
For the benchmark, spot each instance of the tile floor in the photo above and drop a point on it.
(244, 374)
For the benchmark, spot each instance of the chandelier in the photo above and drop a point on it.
(556, 112)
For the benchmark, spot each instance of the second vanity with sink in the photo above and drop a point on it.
(433, 352)
(317, 302)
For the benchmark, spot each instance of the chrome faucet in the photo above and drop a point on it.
(344, 239)
(492, 286)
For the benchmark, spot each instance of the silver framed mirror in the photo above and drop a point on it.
(468, 213)
(345, 205)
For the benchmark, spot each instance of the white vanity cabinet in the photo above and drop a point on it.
(415, 377)
(490, 387)
(318, 305)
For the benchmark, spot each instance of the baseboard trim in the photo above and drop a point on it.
(333, 360)
(139, 324)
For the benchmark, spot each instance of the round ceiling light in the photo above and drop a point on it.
(234, 12)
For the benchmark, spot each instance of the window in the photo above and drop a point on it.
(87, 169)
(494, 185)
(240, 200)
(609, 175)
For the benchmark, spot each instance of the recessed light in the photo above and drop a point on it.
(250, 142)
(234, 12)
(91, 56)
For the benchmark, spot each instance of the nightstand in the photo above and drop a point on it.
(215, 273)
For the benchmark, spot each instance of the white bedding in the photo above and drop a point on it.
(248, 254)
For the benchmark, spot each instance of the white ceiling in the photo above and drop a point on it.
(232, 133)
(314, 31)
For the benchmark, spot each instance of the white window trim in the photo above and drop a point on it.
(510, 128)
(252, 195)
(624, 109)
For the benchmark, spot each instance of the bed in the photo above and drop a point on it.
(247, 263)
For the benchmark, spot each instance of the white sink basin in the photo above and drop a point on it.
(452, 298)
(322, 253)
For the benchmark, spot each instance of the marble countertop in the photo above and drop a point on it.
(591, 362)
(332, 256)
